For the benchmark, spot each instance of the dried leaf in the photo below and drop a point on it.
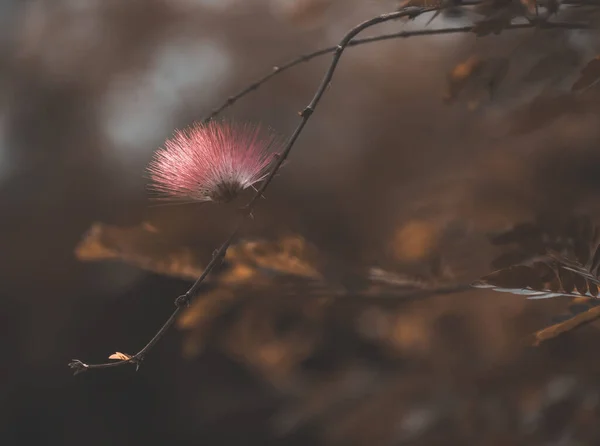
(120, 356)
(589, 75)
(283, 269)
(571, 272)
(288, 255)
(544, 278)
(140, 246)
(249, 262)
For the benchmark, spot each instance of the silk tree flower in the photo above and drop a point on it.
(211, 162)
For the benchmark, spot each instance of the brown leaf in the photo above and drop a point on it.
(545, 277)
(287, 255)
(120, 356)
(589, 75)
(141, 246)
(283, 270)
(248, 262)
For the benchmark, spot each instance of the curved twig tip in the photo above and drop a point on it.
(78, 367)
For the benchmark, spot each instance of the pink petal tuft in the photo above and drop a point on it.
(211, 162)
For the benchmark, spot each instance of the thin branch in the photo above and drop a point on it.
(556, 330)
(183, 300)
(357, 42)
(393, 298)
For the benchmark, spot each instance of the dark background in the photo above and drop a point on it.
(385, 174)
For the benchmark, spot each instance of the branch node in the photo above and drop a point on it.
(181, 301)
(218, 255)
(137, 360)
(306, 112)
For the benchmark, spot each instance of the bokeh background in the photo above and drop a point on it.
(389, 179)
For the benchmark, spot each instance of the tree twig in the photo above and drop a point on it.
(563, 327)
(357, 42)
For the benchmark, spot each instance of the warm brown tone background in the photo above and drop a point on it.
(386, 174)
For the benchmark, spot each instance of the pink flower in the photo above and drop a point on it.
(211, 162)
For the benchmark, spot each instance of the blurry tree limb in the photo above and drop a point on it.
(556, 330)
(356, 42)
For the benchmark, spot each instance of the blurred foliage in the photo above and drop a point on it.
(269, 308)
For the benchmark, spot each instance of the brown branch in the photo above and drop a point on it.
(563, 327)
(357, 42)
